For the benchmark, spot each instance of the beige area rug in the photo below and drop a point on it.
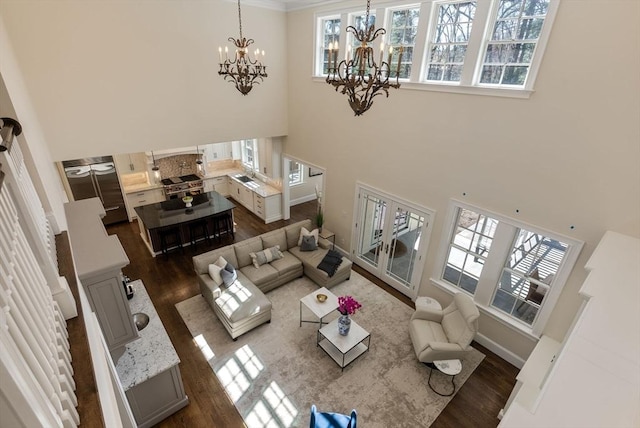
(275, 372)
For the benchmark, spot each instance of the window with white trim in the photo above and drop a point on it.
(449, 40)
(513, 271)
(402, 30)
(477, 46)
(329, 34)
(295, 173)
(249, 154)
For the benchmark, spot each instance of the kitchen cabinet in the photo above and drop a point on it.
(246, 197)
(131, 162)
(99, 258)
(143, 197)
(267, 208)
(217, 151)
(218, 184)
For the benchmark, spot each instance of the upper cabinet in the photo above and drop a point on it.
(269, 153)
(131, 162)
(217, 151)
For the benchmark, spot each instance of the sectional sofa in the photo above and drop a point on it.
(242, 305)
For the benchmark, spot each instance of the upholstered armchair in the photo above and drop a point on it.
(444, 334)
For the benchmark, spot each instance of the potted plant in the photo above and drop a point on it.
(319, 220)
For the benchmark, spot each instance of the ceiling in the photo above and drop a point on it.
(287, 4)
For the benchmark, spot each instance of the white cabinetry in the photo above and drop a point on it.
(99, 258)
(246, 197)
(217, 151)
(218, 184)
(268, 208)
(143, 197)
(131, 162)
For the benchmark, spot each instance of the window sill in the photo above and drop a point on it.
(503, 319)
(458, 89)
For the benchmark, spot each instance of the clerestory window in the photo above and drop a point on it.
(491, 47)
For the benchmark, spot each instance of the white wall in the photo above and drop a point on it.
(16, 104)
(126, 76)
(568, 156)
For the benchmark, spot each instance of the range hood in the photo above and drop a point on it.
(159, 154)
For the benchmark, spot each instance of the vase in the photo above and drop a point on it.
(344, 324)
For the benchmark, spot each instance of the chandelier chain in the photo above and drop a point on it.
(240, 19)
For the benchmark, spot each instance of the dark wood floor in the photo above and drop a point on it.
(170, 280)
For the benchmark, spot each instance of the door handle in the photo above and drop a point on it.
(386, 248)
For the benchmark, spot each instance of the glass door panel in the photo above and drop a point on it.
(372, 211)
(391, 240)
(404, 245)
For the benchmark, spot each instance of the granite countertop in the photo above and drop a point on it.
(174, 211)
(141, 187)
(152, 353)
(256, 185)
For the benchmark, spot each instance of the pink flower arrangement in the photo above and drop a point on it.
(348, 305)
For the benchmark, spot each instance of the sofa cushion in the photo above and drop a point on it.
(311, 258)
(265, 256)
(244, 249)
(293, 232)
(288, 263)
(241, 300)
(276, 237)
(263, 274)
(201, 262)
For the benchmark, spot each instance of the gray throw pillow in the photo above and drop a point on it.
(228, 276)
(308, 243)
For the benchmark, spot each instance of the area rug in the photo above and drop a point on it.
(274, 373)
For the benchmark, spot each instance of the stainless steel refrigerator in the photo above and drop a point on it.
(97, 177)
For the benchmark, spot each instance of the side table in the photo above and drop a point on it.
(329, 236)
(448, 367)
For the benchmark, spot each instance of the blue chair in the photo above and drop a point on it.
(331, 420)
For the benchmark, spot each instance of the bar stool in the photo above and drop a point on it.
(198, 229)
(223, 223)
(170, 236)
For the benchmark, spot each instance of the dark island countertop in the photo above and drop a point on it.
(174, 211)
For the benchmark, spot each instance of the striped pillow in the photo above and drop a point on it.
(266, 256)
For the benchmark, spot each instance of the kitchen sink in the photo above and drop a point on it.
(244, 179)
(141, 320)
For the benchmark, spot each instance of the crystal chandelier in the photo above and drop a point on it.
(360, 77)
(242, 71)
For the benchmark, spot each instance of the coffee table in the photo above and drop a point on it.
(343, 349)
(320, 310)
(448, 367)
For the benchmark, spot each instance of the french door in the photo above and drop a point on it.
(391, 238)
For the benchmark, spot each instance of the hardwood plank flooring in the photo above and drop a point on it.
(170, 280)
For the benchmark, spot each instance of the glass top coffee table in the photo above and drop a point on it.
(319, 309)
(343, 349)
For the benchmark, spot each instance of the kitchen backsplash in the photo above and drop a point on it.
(175, 166)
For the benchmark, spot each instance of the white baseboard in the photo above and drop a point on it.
(499, 350)
(302, 199)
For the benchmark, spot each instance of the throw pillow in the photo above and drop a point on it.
(214, 273)
(228, 276)
(308, 243)
(266, 256)
(305, 232)
(229, 268)
(221, 262)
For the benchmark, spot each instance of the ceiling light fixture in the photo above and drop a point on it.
(242, 71)
(155, 169)
(360, 77)
(199, 163)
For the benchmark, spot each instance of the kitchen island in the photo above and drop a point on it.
(155, 218)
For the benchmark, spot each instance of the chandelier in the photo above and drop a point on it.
(242, 71)
(360, 77)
